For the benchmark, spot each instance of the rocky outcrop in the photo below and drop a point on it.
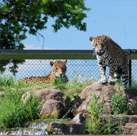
(103, 92)
(53, 105)
(51, 102)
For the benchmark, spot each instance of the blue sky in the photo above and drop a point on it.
(115, 18)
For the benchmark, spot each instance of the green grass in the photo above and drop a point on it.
(13, 112)
(70, 88)
(73, 86)
(93, 124)
(119, 104)
(6, 82)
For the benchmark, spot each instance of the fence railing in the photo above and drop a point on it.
(61, 54)
(55, 54)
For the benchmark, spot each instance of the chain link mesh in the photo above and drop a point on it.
(81, 69)
(134, 70)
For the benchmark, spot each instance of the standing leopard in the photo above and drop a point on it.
(59, 69)
(110, 54)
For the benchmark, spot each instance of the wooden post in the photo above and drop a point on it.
(130, 73)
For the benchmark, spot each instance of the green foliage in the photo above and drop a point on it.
(119, 104)
(133, 88)
(57, 81)
(13, 112)
(110, 127)
(58, 84)
(93, 125)
(95, 108)
(69, 88)
(10, 83)
(19, 17)
(7, 82)
(13, 67)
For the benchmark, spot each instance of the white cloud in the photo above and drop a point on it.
(35, 47)
(30, 46)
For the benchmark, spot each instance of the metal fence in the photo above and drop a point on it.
(81, 64)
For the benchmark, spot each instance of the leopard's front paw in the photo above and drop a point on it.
(103, 82)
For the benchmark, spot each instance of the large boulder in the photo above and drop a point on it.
(68, 127)
(51, 102)
(65, 129)
(44, 94)
(52, 109)
(103, 92)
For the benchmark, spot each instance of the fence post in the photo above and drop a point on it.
(130, 73)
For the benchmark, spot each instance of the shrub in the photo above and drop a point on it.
(6, 82)
(93, 124)
(14, 113)
(119, 104)
(109, 127)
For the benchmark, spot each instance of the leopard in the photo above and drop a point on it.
(58, 70)
(110, 54)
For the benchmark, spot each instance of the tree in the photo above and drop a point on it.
(18, 17)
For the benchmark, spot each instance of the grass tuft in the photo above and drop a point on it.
(13, 112)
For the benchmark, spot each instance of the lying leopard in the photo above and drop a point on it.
(59, 69)
(110, 54)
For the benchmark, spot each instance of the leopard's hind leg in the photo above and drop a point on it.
(117, 74)
(125, 77)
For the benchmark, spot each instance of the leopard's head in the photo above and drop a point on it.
(99, 44)
(59, 68)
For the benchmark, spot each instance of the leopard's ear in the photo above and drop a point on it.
(105, 39)
(51, 63)
(91, 38)
(65, 61)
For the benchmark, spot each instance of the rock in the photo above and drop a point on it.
(65, 129)
(121, 118)
(104, 92)
(51, 102)
(130, 128)
(52, 109)
(79, 119)
(133, 104)
(44, 94)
